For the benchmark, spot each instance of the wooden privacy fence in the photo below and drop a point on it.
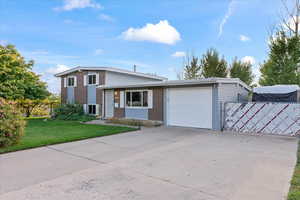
(263, 118)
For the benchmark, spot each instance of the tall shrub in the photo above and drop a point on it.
(12, 123)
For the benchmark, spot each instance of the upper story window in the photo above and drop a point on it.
(137, 98)
(92, 79)
(71, 81)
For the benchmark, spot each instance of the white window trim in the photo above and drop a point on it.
(87, 109)
(136, 107)
(67, 81)
(91, 74)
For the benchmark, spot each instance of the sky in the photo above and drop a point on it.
(153, 35)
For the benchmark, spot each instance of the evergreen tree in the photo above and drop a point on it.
(212, 65)
(283, 64)
(192, 70)
(242, 70)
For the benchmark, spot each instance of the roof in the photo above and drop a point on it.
(276, 89)
(111, 69)
(167, 83)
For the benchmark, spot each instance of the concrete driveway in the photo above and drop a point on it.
(157, 163)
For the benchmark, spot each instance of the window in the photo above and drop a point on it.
(92, 109)
(71, 81)
(137, 98)
(92, 79)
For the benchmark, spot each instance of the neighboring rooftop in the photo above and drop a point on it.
(276, 89)
(167, 83)
(111, 69)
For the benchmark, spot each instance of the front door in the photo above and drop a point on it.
(109, 103)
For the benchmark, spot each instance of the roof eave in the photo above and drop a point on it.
(179, 83)
(112, 70)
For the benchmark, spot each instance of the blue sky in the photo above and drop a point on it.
(60, 34)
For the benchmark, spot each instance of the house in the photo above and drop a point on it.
(79, 85)
(111, 92)
(188, 103)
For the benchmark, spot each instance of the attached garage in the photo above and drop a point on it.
(190, 107)
(187, 103)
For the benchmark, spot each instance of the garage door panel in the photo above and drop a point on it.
(190, 107)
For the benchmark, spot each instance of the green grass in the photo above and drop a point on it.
(40, 133)
(294, 193)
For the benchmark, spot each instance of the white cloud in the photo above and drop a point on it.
(244, 38)
(161, 32)
(98, 52)
(57, 69)
(228, 14)
(249, 59)
(78, 4)
(179, 54)
(107, 18)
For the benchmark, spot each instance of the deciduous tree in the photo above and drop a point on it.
(283, 64)
(16, 78)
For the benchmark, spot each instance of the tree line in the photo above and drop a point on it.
(20, 84)
(211, 64)
(282, 65)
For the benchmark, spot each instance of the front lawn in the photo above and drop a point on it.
(294, 193)
(40, 133)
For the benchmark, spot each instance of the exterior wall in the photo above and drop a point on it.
(221, 93)
(133, 113)
(82, 94)
(63, 91)
(228, 92)
(118, 111)
(91, 94)
(157, 112)
(216, 113)
(80, 90)
(114, 78)
(70, 95)
(154, 113)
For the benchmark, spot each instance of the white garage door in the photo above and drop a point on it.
(190, 107)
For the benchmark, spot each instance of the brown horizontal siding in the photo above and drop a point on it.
(63, 91)
(157, 112)
(80, 91)
(118, 112)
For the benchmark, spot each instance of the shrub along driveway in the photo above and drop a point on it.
(156, 163)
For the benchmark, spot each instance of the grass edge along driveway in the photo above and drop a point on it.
(40, 132)
(294, 193)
